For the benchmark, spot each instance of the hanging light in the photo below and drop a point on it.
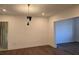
(28, 17)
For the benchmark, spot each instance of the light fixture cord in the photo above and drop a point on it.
(28, 9)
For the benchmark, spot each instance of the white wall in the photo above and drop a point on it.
(22, 36)
(77, 29)
(52, 41)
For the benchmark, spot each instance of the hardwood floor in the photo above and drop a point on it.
(71, 48)
(41, 50)
(63, 49)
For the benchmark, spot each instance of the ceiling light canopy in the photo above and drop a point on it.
(43, 14)
(4, 10)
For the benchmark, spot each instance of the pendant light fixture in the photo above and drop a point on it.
(28, 17)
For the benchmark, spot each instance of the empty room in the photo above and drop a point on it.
(39, 29)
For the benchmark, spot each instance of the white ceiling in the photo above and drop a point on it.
(35, 9)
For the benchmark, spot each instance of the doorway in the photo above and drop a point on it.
(67, 35)
(64, 31)
(3, 35)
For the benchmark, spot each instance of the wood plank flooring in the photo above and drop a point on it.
(70, 48)
(40, 50)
